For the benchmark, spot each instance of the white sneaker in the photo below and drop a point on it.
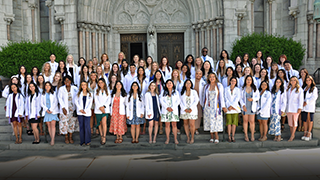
(303, 138)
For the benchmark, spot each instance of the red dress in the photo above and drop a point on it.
(118, 122)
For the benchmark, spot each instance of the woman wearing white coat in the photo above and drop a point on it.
(14, 110)
(170, 100)
(152, 107)
(165, 68)
(189, 110)
(102, 101)
(83, 102)
(232, 96)
(278, 107)
(294, 104)
(263, 112)
(135, 111)
(73, 69)
(309, 106)
(66, 96)
(49, 104)
(32, 110)
(249, 99)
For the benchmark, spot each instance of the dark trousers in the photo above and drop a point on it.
(85, 132)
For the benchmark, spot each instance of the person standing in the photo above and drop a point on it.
(205, 57)
(263, 110)
(73, 69)
(54, 65)
(128, 79)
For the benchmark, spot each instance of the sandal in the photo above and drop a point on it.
(282, 127)
(299, 128)
(154, 142)
(17, 141)
(176, 141)
(29, 132)
(166, 142)
(233, 140)
(150, 142)
(246, 138)
(197, 132)
(120, 140)
(97, 132)
(229, 139)
(216, 141)
(103, 140)
(211, 140)
(133, 141)
(161, 131)
(116, 141)
(20, 140)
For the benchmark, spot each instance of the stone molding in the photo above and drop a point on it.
(60, 17)
(294, 11)
(240, 13)
(9, 18)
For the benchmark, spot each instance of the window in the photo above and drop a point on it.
(259, 16)
(44, 20)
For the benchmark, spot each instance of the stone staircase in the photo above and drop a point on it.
(201, 141)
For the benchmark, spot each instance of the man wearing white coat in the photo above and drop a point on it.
(128, 79)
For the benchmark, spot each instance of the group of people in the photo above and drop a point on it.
(82, 96)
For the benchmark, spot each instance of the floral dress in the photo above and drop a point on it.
(275, 128)
(212, 119)
(67, 124)
(118, 122)
(169, 116)
(188, 115)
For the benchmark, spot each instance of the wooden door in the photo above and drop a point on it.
(132, 44)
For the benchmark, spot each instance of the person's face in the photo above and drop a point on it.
(259, 54)
(115, 68)
(282, 60)
(249, 81)
(264, 73)
(184, 69)
(164, 61)
(274, 67)
(14, 89)
(199, 75)
(179, 64)
(239, 69)
(204, 52)
(154, 66)
(95, 61)
(293, 82)
(141, 71)
(224, 54)
(99, 70)
(118, 86)
(14, 81)
(35, 71)
(238, 60)
(52, 58)
(81, 62)
(101, 84)
(22, 70)
(188, 85)
(67, 82)
(90, 63)
(104, 57)
(303, 73)
(113, 79)
(198, 61)
(212, 78)
(175, 74)
(93, 76)
(46, 67)
(269, 60)
(84, 85)
(308, 81)
(278, 83)
(264, 86)
(206, 66)
(32, 88)
(233, 82)
(245, 57)
(47, 87)
(61, 65)
(257, 69)
(149, 60)
(169, 85)
(29, 78)
(40, 79)
(254, 61)
(247, 71)
(57, 77)
(135, 59)
(152, 87)
(135, 87)
(221, 63)
(280, 74)
(69, 59)
(189, 60)
(107, 65)
(141, 63)
(85, 69)
(158, 75)
(287, 66)
(132, 69)
(229, 72)
(120, 56)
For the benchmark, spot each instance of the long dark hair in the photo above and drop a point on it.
(85, 62)
(186, 60)
(284, 74)
(143, 75)
(235, 70)
(266, 78)
(184, 86)
(110, 82)
(261, 55)
(123, 92)
(221, 57)
(161, 63)
(26, 83)
(18, 90)
(165, 89)
(161, 79)
(67, 77)
(252, 83)
(44, 88)
(233, 74)
(124, 70)
(149, 65)
(104, 89)
(274, 88)
(35, 67)
(313, 84)
(38, 83)
(177, 63)
(18, 84)
(131, 91)
(264, 81)
(248, 60)
(64, 69)
(25, 73)
(82, 75)
(112, 73)
(202, 68)
(36, 89)
(233, 77)
(188, 73)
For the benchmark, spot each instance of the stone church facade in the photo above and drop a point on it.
(174, 28)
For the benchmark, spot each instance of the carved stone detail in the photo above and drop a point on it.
(170, 6)
(294, 11)
(9, 18)
(240, 13)
(132, 7)
(161, 17)
(124, 18)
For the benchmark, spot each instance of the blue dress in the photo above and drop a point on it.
(156, 113)
(274, 128)
(49, 117)
(136, 120)
(249, 104)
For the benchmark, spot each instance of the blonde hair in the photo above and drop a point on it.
(244, 70)
(124, 56)
(59, 82)
(297, 84)
(195, 64)
(176, 70)
(72, 59)
(80, 89)
(42, 70)
(152, 72)
(108, 70)
(156, 90)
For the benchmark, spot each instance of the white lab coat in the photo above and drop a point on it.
(225, 82)
(127, 81)
(281, 102)
(53, 103)
(264, 105)
(229, 64)
(75, 73)
(206, 88)
(175, 103)
(242, 79)
(102, 100)
(194, 102)
(208, 58)
(255, 97)
(19, 100)
(149, 105)
(167, 73)
(232, 99)
(270, 84)
(311, 99)
(48, 78)
(294, 100)
(78, 101)
(32, 110)
(122, 105)
(292, 73)
(145, 85)
(179, 86)
(54, 66)
(5, 92)
(63, 98)
(139, 107)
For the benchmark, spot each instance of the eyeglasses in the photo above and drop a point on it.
(204, 51)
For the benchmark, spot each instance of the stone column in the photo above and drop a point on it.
(49, 4)
(270, 16)
(100, 41)
(93, 41)
(318, 40)
(240, 13)
(214, 42)
(87, 43)
(197, 42)
(310, 35)
(81, 27)
(252, 15)
(61, 19)
(203, 32)
(209, 37)
(9, 19)
(294, 11)
(220, 25)
(33, 6)
(108, 28)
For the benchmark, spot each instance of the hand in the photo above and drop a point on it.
(141, 116)
(101, 108)
(82, 111)
(169, 109)
(244, 109)
(304, 104)
(149, 116)
(299, 111)
(21, 116)
(5, 108)
(224, 109)
(38, 117)
(282, 113)
(128, 117)
(229, 108)
(250, 99)
(64, 111)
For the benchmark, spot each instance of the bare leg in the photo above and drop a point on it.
(167, 131)
(15, 130)
(245, 126)
(174, 130)
(192, 129)
(20, 132)
(265, 129)
(252, 126)
(261, 129)
(133, 133)
(186, 129)
(233, 129)
(35, 132)
(137, 133)
(155, 131)
(150, 130)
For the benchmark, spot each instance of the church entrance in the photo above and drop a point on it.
(171, 45)
(132, 44)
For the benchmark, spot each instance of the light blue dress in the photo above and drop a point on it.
(49, 117)
(275, 128)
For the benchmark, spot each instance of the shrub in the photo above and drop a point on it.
(270, 45)
(29, 54)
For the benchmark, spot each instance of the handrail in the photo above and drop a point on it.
(316, 76)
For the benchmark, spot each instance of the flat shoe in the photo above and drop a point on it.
(216, 141)
(154, 142)
(211, 140)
